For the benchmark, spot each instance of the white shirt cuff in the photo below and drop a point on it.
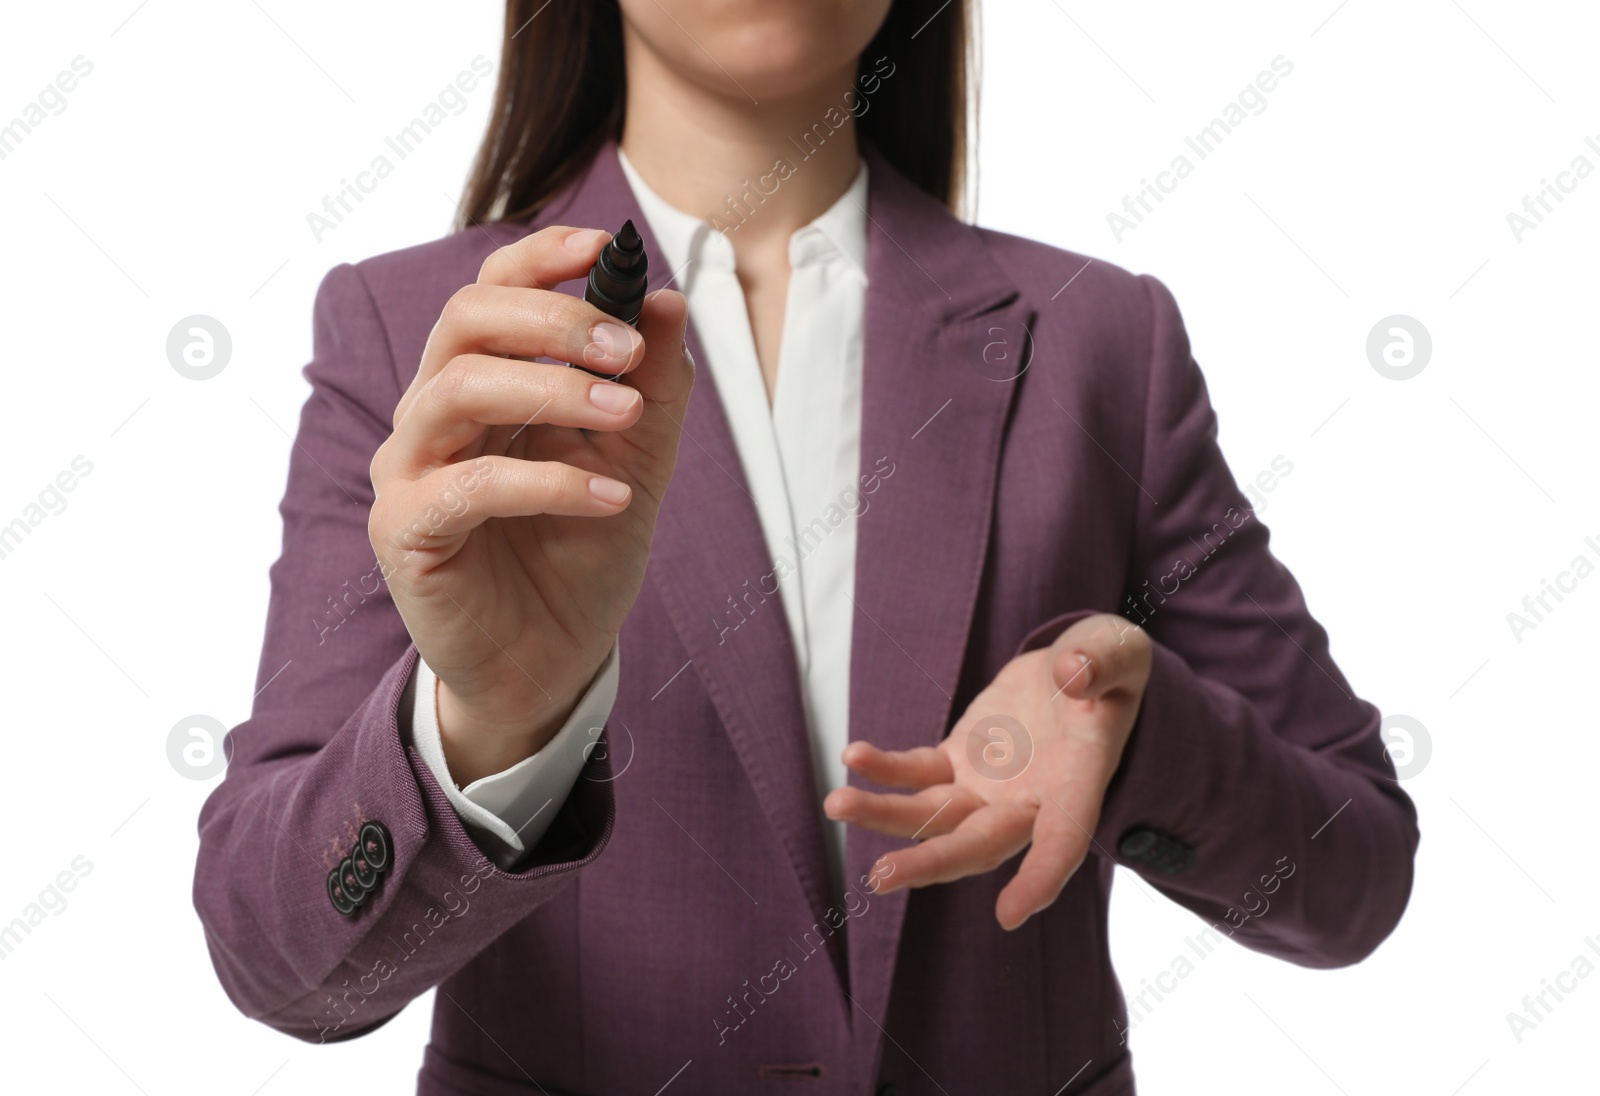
(516, 805)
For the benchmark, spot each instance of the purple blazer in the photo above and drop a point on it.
(1053, 453)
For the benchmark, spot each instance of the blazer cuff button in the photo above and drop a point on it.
(337, 896)
(376, 845)
(1156, 851)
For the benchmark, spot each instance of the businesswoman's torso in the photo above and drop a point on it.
(710, 930)
(1034, 444)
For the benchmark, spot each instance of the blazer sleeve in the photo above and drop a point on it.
(1250, 748)
(322, 753)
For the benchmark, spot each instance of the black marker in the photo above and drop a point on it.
(618, 279)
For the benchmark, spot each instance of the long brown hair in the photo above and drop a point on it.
(562, 91)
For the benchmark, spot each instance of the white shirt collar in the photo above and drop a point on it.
(841, 230)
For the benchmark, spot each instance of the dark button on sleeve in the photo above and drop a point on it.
(1156, 851)
(358, 875)
(353, 888)
(336, 895)
(376, 845)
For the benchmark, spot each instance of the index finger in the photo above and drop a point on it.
(916, 768)
(544, 259)
(541, 260)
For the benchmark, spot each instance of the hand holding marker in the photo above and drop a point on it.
(498, 357)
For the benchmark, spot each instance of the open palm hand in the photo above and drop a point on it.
(1028, 762)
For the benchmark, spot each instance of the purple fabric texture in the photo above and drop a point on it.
(1038, 453)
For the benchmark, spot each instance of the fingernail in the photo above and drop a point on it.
(613, 399)
(608, 491)
(583, 240)
(610, 343)
(1086, 675)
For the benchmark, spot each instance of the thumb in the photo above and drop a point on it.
(648, 450)
(1099, 655)
(666, 375)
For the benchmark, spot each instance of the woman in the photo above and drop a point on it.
(899, 553)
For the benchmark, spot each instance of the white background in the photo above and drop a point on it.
(1418, 514)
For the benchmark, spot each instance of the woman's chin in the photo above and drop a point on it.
(772, 50)
(770, 56)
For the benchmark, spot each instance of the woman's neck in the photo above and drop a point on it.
(767, 168)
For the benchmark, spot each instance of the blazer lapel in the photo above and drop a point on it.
(947, 335)
(709, 559)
